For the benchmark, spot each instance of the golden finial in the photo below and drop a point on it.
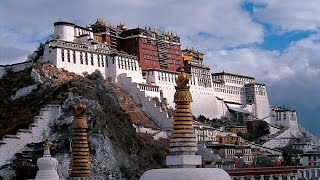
(182, 93)
(80, 108)
(182, 79)
(46, 146)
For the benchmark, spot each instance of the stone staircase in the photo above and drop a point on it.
(148, 105)
(12, 144)
(280, 140)
(266, 149)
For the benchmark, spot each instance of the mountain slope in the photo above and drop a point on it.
(114, 144)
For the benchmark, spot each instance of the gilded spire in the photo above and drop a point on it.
(182, 93)
(46, 147)
(183, 139)
(80, 165)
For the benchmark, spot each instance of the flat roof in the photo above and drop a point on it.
(162, 70)
(63, 23)
(231, 74)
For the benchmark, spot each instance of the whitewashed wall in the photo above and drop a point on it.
(204, 99)
(64, 32)
(123, 65)
(262, 106)
(14, 67)
(54, 56)
(36, 133)
(149, 106)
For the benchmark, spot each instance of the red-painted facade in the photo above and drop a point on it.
(141, 43)
(106, 38)
(174, 55)
(148, 54)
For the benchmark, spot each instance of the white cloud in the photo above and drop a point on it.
(223, 21)
(291, 77)
(289, 15)
(9, 55)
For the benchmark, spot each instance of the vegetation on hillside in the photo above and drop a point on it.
(135, 153)
(255, 130)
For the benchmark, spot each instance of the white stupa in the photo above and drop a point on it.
(47, 165)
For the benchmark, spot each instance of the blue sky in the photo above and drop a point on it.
(275, 41)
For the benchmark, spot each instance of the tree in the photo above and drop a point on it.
(290, 156)
(256, 130)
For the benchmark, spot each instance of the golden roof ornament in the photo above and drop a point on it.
(101, 22)
(182, 93)
(46, 146)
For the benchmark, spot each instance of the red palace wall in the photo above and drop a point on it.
(106, 38)
(174, 55)
(146, 51)
(148, 55)
(129, 45)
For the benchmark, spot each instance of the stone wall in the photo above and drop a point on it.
(156, 134)
(14, 67)
(280, 140)
(24, 91)
(148, 106)
(12, 144)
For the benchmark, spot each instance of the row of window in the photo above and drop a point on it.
(150, 52)
(83, 60)
(148, 88)
(127, 65)
(144, 41)
(173, 56)
(154, 58)
(149, 46)
(238, 78)
(170, 79)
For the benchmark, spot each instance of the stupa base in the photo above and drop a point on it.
(183, 161)
(186, 174)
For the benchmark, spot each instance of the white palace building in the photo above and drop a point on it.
(215, 95)
(145, 62)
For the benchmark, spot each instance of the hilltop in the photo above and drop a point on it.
(114, 144)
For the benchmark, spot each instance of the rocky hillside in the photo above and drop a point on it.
(114, 145)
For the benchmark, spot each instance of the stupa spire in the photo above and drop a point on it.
(183, 139)
(80, 165)
(183, 144)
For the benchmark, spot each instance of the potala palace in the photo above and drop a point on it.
(144, 61)
(151, 59)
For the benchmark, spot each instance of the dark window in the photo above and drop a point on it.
(74, 56)
(68, 55)
(62, 54)
(102, 61)
(98, 56)
(92, 59)
(81, 58)
(86, 58)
